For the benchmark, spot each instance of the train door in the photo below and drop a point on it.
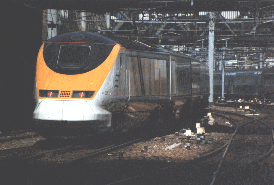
(121, 76)
(173, 78)
(183, 79)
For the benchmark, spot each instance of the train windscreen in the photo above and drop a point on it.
(75, 58)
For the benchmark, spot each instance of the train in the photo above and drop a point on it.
(86, 80)
(245, 84)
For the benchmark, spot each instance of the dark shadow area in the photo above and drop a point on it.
(22, 34)
(142, 171)
(259, 174)
(193, 111)
(51, 144)
(17, 138)
(137, 171)
(95, 141)
(255, 129)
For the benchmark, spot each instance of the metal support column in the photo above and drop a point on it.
(261, 65)
(223, 79)
(170, 80)
(223, 74)
(83, 21)
(108, 20)
(211, 55)
(52, 22)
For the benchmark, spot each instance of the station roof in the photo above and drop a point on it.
(101, 6)
(253, 27)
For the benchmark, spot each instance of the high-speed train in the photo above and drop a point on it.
(86, 80)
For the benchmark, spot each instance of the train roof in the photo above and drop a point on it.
(127, 43)
(135, 45)
(82, 37)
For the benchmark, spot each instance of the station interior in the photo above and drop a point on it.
(243, 35)
(188, 137)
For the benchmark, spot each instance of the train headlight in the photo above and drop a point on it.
(49, 93)
(82, 94)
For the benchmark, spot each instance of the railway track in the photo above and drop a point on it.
(247, 146)
(48, 154)
(37, 147)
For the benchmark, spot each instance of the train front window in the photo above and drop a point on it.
(75, 58)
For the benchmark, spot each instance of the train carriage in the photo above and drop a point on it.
(87, 80)
(247, 84)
